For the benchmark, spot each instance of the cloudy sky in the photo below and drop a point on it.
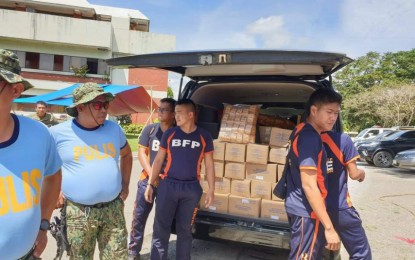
(354, 27)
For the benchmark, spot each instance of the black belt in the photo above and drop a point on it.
(96, 206)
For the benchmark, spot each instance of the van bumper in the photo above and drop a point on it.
(256, 231)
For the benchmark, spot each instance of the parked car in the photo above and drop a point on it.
(385, 133)
(405, 160)
(381, 152)
(281, 81)
(369, 134)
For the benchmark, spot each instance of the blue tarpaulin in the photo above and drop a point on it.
(128, 99)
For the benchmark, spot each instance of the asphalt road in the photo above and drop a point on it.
(385, 201)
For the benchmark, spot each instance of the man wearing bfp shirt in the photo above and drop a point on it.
(149, 144)
(306, 180)
(341, 159)
(179, 190)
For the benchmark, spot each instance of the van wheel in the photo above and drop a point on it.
(383, 159)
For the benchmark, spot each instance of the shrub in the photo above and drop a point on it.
(133, 129)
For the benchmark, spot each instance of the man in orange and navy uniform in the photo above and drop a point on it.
(341, 160)
(179, 190)
(149, 144)
(306, 180)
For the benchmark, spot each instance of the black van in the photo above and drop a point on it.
(281, 81)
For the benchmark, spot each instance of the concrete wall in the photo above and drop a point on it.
(55, 29)
(54, 48)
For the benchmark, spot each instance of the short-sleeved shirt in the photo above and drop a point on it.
(185, 152)
(25, 159)
(340, 152)
(150, 138)
(90, 172)
(306, 152)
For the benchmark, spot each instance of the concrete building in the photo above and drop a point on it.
(56, 39)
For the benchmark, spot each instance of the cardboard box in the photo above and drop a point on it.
(261, 189)
(222, 185)
(235, 152)
(273, 197)
(246, 207)
(261, 172)
(279, 137)
(219, 150)
(264, 134)
(219, 168)
(273, 210)
(277, 155)
(257, 153)
(235, 170)
(241, 188)
(280, 171)
(219, 203)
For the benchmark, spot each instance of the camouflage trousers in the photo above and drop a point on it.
(86, 225)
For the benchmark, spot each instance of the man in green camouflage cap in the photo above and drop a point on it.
(29, 171)
(84, 94)
(10, 69)
(94, 185)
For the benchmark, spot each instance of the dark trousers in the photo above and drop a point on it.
(141, 211)
(307, 238)
(348, 225)
(180, 200)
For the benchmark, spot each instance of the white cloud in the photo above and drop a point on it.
(271, 31)
(381, 26)
(266, 25)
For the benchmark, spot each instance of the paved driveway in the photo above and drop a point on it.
(385, 201)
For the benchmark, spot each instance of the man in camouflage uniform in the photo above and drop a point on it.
(41, 115)
(94, 186)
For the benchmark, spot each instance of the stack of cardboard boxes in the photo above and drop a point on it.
(246, 175)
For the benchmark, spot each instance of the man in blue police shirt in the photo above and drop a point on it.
(30, 177)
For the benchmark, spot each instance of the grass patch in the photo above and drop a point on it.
(132, 141)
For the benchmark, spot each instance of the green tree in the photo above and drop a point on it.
(374, 85)
(390, 105)
(170, 93)
(375, 69)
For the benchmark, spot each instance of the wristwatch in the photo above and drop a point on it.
(44, 225)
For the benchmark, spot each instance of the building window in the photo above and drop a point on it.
(92, 66)
(32, 60)
(58, 63)
(46, 61)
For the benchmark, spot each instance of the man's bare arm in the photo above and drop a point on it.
(210, 174)
(126, 165)
(51, 188)
(354, 172)
(154, 174)
(143, 159)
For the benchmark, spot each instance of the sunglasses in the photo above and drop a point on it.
(162, 110)
(98, 105)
